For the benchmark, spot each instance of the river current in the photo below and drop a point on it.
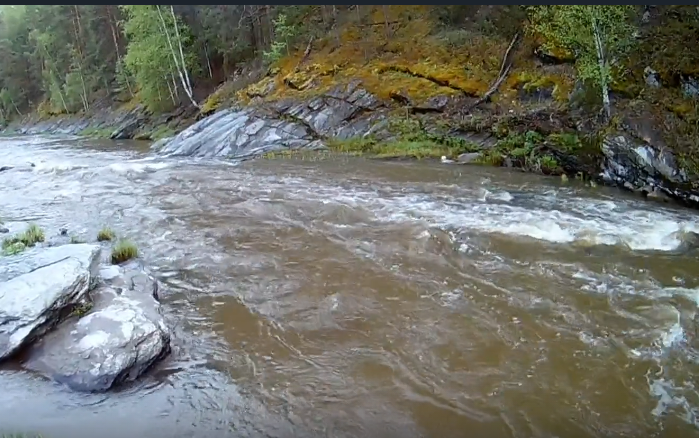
(345, 297)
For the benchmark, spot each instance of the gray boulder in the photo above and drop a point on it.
(39, 288)
(122, 336)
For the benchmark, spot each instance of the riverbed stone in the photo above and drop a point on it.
(38, 288)
(120, 338)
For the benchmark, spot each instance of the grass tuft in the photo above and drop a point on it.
(105, 235)
(123, 251)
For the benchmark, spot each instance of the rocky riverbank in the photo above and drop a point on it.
(68, 313)
(350, 118)
(428, 100)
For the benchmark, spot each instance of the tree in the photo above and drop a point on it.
(598, 35)
(177, 55)
(157, 54)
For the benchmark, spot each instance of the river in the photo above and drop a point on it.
(348, 297)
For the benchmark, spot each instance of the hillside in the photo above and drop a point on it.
(451, 79)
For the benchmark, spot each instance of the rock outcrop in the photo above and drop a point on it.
(39, 290)
(638, 166)
(343, 112)
(117, 124)
(120, 338)
(83, 325)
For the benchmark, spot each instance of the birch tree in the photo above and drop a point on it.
(156, 55)
(598, 35)
(177, 55)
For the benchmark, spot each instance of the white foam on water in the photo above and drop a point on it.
(60, 166)
(634, 229)
(548, 216)
(137, 166)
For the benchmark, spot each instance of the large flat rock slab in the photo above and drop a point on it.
(117, 341)
(39, 288)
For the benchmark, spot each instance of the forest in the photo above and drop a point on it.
(61, 59)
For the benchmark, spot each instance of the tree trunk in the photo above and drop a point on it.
(169, 89)
(53, 78)
(174, 84)
(322, 16)
(12, 101)
(181, 70)
(63, 100)
(83, 96)
(604, 70)
(182, 60)
(208, 61)
(115, 38)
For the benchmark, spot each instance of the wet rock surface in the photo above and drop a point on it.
(344, 112)
(116, 124)
(38, 290)
(639, 166)
(87, 326)
(115, 342)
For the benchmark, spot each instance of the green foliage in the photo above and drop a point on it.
(149, 57)
(30, 237)
(283, 33)
(598, 35)
(12, 248)
(82, 309)
(531, 151)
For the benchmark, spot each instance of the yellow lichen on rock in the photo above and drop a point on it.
(560, 84)
(402, 49)
(406, 55)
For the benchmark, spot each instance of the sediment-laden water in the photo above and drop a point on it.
(348, 297)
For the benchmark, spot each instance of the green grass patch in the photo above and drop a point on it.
(417, 149)
(105, 235)
(18, 243)
(163, 131)
(124, 250)
(82, 309)
(411, 140)
(303, 155)
(95, 132)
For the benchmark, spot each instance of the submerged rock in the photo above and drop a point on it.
(115, 342)
(39, 288)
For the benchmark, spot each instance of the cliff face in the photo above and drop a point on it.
(397, 84)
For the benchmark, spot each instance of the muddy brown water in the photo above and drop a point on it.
(346, 297)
